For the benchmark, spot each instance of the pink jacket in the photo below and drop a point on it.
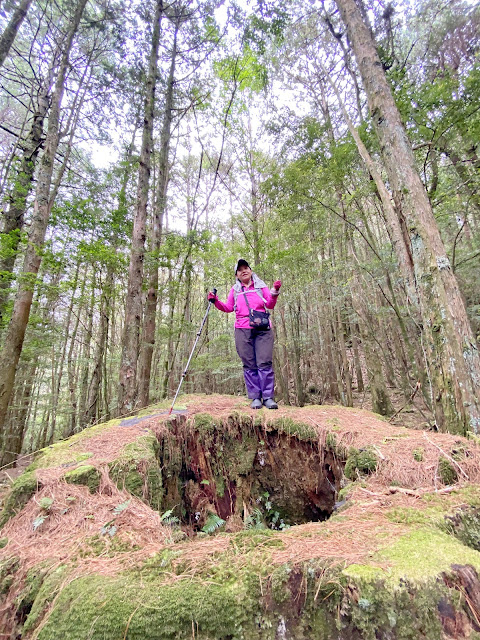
(254, 300)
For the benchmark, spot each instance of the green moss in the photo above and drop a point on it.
(407, 516)
(8, 568)
(322, 625)
(204, 423)
(469, 494)
(219, 607)
(20, 493)
(137, 470)
(162, 561)
(344, 494)
(331, 441)
(258, 420)
(3, 542)
(424, 554)
(406, 612)
(155, 490)
(237, 456)
(360, 461)
(33, 584)
(104, 545)
(300, 430)
(418, 454)
(58, 455)
(251, 539)
(49, 589)
(69, 452)
(446, 471)
(87, 475)
(220, 486)
(279, 584)
(364, 572)
(464, 524)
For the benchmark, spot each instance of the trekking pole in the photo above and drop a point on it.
(191, 354)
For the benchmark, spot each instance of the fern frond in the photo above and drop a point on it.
(212, 523)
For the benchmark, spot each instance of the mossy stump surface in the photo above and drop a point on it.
(222, 523)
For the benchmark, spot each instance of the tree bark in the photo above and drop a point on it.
(149, 323)
(12, 349)
(452, 352)
(93, 402)
(400, 243)
(8, 36)
(22, 186)
(127, 390)
(85, 359)
(72, 367)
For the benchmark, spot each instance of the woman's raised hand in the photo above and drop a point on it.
(277, 284)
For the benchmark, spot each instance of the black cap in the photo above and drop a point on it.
(241, 263)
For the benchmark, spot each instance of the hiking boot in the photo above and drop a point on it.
(270, 403)
(256, 404)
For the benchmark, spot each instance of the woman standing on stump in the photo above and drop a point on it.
(250, 298)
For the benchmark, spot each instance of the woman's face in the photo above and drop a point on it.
(244, 274)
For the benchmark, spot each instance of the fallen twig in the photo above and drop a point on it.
(418, 493)
(408, 492)
(447, 456)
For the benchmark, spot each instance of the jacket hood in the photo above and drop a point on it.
(258, 283)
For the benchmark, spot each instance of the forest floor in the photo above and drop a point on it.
(330, 484)
(398, 480)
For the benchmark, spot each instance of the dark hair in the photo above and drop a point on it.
(241, 263)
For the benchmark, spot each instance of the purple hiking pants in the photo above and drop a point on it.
(255, 349)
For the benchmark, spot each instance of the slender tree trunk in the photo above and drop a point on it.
(149, 324)
(381, 402)
(285, 358)
(59, 374)
(20, 428)
(297, 368)
(22, 186)
(399, 241)
(12, 349)
(463, 172)
(16, 427)
(348, 401)
(10, 33)
(85, 360)
(127, 390)
(452, 352)
(356, 358)
(94, 395)
(72, 366)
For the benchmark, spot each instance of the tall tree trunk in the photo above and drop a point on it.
(10, 33)
(356, 357)
(59, 373)
(149, 323)
(72, 366)
(85, 359)
(453, 358)
(347, 377)
(12, 349)
(297, 355)
(381, 402)
(93, 403)
(399, 241)
(16, 427)
(127, 389)
(22, 186)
